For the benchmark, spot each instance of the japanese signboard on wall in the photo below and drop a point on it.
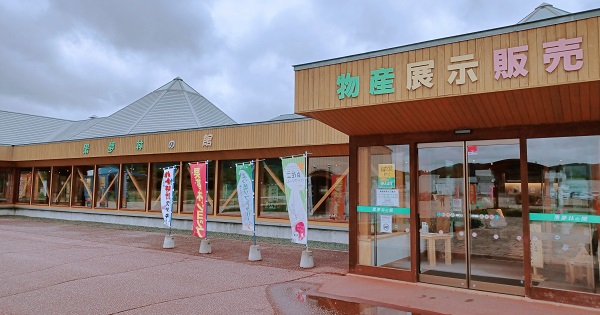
(507, 62)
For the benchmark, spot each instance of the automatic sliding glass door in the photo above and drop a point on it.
(470, 215)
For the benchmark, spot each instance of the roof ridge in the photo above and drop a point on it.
(27, 114)
(147, 110)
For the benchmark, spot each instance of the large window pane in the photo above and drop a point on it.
(564, 192)
(135, 183)
(271, 191)
(188, 193)
(6, 186)
(156, 182)
(41, 186)
(83, 185)
(25, 182)
(228, 201)
(384, 238)
(107, 186)
(61, 185)
(329, 188)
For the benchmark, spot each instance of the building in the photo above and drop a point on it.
(471, 161)
(110, 169)
(474, 159)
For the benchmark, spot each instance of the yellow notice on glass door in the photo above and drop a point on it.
(387, 176)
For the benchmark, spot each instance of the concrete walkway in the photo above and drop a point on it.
(51, 267)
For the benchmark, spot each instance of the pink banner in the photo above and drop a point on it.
(198, 176)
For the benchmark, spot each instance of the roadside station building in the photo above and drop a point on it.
(110, 169)
(470, 161)
(474, 159)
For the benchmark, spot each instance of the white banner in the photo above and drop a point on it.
(167, 190)
(294, 177)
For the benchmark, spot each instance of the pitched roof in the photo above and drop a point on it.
(543, 11)
(173, 106)
(18, 128)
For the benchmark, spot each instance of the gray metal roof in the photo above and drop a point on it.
(288, 117)
(543, 11)
(173, 106)
(453, 39)
(17, 128)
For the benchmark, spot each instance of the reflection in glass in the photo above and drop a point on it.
(135, 181)
(496, 217)
(107, 186)
(188, 193)
(25, 181)
(272, 202)
(329, 188)
(41, 186)
(6, 186)
(441, 211)
(228, 201)
(155, 185)
(83, 185)
(61, 185)
(384, 238)
(564, 192)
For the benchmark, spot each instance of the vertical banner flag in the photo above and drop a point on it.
(198, 176)
(166, 194)
(294, 178)
(245, 192)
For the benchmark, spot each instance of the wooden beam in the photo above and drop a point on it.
(337, 182)
(63, 188)
(230, 197)
(137, 186)
(109, 187)
(274, 177)
(82, 179)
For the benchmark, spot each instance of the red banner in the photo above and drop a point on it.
(198, 176)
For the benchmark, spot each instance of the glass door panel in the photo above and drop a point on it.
(495, 216)
(470, 216)
(441, 214)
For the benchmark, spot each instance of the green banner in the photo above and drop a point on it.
(575, 218)
(245, 193)
(383, 210)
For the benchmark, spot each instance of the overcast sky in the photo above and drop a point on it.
(73, 59)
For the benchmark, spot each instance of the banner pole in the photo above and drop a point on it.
(253, 205)
(306, 197)
(206, 199)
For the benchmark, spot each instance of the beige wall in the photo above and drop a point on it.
(251, 137)
(316, 87)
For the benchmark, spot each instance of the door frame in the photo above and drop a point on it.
(467, 282)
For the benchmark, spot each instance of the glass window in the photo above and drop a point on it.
(188, 193)
(107, 186)
(384, 206)
(157, 176)
(328, 188)
(25, 181)
(83, 185)
(135, 183)
(6, 186)
(61, 185)
(564, 212)
(271, 194)
(228, 201)
(41, 186)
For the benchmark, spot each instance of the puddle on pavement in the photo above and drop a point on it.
(341, 307)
